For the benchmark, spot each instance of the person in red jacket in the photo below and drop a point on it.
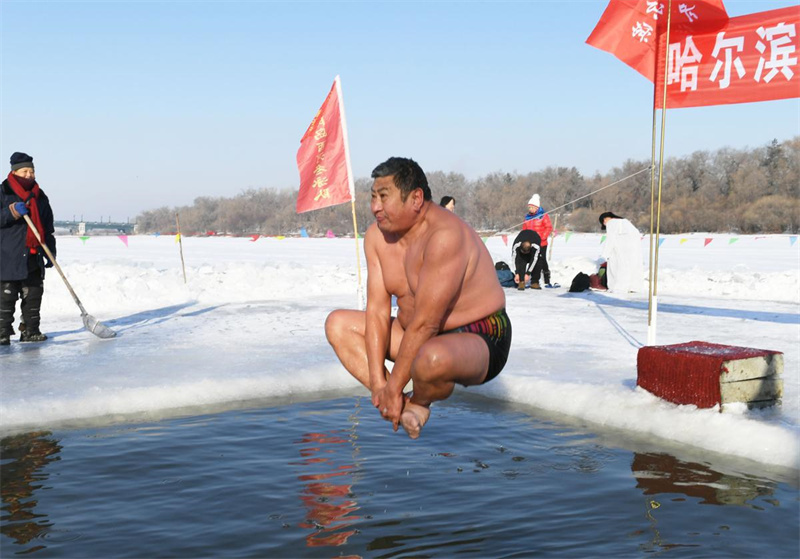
(537, 220)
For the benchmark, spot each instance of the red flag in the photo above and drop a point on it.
(322, 158)
(629, 29)
(750, 58)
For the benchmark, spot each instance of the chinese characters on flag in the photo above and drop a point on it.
(711, 59)
(322, 159)
(630, 29)
(750, 58)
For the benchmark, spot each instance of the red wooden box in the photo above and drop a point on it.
(706, 374)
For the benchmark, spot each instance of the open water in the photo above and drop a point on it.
(328, 478)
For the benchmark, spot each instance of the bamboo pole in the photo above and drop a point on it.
(180, 245)
(651, 330)
(352, 186)
(553, 239)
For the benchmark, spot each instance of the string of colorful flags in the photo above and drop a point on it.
(683, 240)
(567, 234)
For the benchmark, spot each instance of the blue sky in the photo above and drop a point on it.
(128, 106)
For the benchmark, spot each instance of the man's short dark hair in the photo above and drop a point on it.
(407, 174)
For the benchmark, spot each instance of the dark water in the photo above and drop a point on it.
(329, 479)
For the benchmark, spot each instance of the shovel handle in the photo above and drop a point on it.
(55, 263)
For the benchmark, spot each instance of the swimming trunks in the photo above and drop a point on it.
(495, 330)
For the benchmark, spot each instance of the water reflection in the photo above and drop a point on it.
(327, 491)
(22, 472)
(663, 473)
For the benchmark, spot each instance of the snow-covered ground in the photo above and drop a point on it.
(249, 324)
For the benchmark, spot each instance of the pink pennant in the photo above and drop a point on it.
(123, 238)
(708, 240)
(505, 240)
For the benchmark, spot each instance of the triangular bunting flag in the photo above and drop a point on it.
(303, 232)
(330, 234)
(792, 240)
(280, 237)
(661, 241)
(156, 234)
(708, 240)
(602, 239)
(733, 240)
(505, 240)
(254, 238)
(84, 239)
(567, 235)
(177, 237)
(483, 239)
(123, 238)
(684, 240)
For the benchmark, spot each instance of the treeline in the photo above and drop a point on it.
(728, 190)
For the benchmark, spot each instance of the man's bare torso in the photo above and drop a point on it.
(402, 264)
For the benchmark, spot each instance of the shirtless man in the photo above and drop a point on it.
(451, 325)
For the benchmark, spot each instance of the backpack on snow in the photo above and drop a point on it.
(579, 283)
(504, 275)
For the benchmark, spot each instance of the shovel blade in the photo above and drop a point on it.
(97, 328)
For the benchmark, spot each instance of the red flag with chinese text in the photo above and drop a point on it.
(322, 160)
(750, 58)
(629, 29)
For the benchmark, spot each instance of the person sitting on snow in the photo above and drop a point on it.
(537, 220)
(525, 250)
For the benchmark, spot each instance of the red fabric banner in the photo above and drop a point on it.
(322, 161)
(750, 58)
(629, 29)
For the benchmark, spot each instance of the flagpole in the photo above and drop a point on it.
(651, 333)
(180, 245)
(351, 184)
(650, 325)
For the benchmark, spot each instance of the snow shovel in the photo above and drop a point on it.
(91, 323)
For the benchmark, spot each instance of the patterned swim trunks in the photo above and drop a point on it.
(495, 330)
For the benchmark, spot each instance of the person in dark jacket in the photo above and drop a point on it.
(22, 260)
(525, 250)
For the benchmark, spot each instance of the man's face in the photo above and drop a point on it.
(391, 213)
(26, 173)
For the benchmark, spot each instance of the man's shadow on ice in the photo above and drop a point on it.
(600, 299)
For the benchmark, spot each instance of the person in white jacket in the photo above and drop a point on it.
(623, 253)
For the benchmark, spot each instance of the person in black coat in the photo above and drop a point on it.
(525, 250)
(22, 260)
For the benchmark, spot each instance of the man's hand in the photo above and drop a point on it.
(18, 209)
(389, 403)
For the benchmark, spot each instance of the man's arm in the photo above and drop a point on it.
(529, 268)
(444, 265)
(378, 315)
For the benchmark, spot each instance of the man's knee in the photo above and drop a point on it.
(333, 325)
(432, 363)
(338, 324)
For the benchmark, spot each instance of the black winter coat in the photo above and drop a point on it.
(14, 253)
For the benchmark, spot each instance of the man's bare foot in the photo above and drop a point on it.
(413, 418)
